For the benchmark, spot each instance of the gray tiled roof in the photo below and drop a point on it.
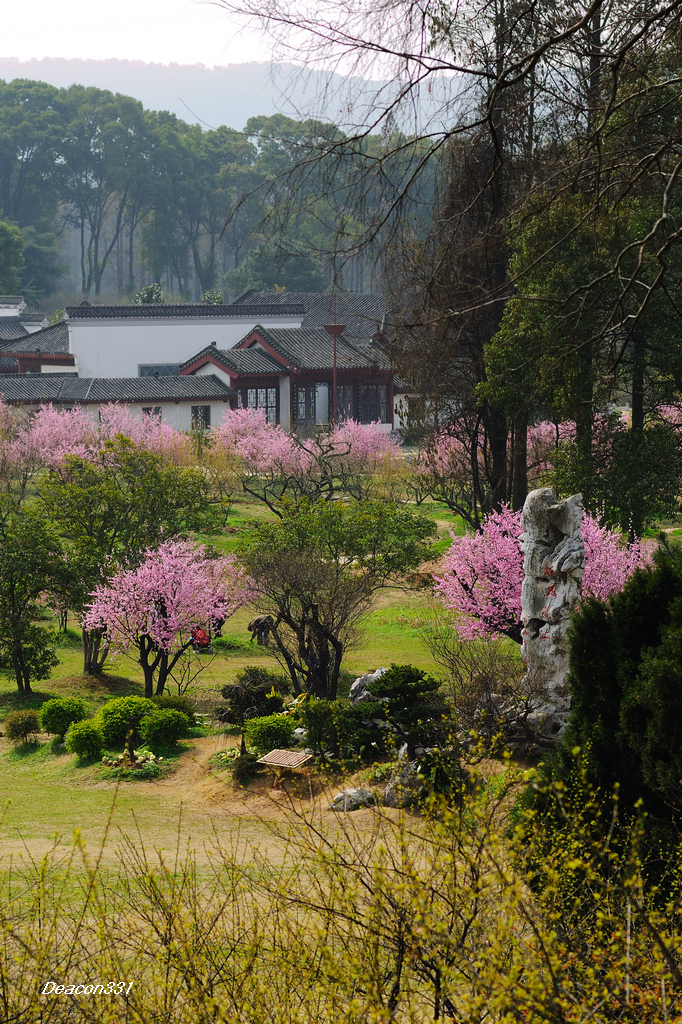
(31, 318)
(11, 328)
(312, 349)
(52, 340)
(182, 309)
(246, 360)
(11, 300)
(39, 387)
(361, 312)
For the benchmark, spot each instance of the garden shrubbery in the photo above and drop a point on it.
(408, 709)
(115, 717)
(20, 725)
(272, 732)
(334, 727)
(164, 727)
(85, 740)
(411, 703)
(58, 714)
(183, 704)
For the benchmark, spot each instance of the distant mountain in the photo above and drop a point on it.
(230, 95)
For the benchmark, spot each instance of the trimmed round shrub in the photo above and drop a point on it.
(57, 715)
(114, 718)
(168, 702)
(163, 727)
(273, 732)
(85, 740)
(19, 725)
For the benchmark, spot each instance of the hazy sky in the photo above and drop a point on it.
(184, 31)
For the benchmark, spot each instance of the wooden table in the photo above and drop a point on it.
(281, 759)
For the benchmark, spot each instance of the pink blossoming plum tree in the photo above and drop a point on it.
(482, 573)
(352, 459)
(154, 608)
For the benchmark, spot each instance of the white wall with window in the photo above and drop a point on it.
(181, 415)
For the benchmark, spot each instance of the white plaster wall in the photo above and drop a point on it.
(400, 410)
(323, 401)
(115, 348)
(210, 368)
(175, 414)
(55, 368)
(285, 403)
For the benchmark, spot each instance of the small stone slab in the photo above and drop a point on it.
(285, 758)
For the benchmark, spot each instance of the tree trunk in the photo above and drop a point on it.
(637, 428)
(94, 652)
(497, 442)
(146, 647)
(638, 366)
(520, 477)
(163, 675)
(584, 419)
(17, 665)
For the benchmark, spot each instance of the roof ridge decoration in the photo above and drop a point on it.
(200, 310)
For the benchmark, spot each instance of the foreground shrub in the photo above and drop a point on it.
(440, 772)
(85, 740)
(272, 732)
(19, 725)
(445, 917)
(115, 718)
(57, 715)
(245, 767)
(626, 681)
(164, 727)
(184, 704)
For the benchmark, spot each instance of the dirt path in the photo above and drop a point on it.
(192, 808)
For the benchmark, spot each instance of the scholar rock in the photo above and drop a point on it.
(403, 786)
(554, 563)
(359, 693)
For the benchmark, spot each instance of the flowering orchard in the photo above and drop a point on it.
(154, 609)
(354, 459)
(482, 573)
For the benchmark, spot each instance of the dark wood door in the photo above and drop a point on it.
(304, 407)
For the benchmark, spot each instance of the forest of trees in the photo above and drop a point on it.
(109, 197)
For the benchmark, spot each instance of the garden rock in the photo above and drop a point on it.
(359, 693)
(352, 800)
(300, 734)
(554, 563)
(403, 786)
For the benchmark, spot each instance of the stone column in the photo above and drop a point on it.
(554, 563)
